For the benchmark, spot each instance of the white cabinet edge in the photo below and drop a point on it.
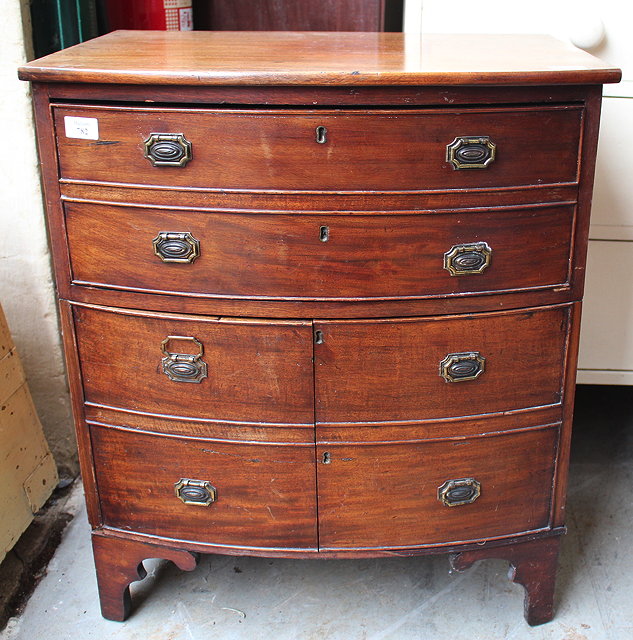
(621, 90)
(598, 376)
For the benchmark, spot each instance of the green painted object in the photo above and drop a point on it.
(58, 24)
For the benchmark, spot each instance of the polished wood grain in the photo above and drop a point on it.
(439, 429)
(383, 150)
(285, 256)
(300, 203)
(84, 443)
(317, 58)
(329, 95)
(48, 163)
(376, 371)
(562, 470)
(590, 143)
(324, 309)
(265, 494)
(268, 552)
(208, 428)
(258, 372)
(386, 495)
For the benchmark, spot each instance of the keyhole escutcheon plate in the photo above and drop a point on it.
(321, 135)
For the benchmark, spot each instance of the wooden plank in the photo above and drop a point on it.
(27, 470)
(11, 374)
(24, 458)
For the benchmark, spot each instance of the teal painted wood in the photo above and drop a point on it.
(62, 23)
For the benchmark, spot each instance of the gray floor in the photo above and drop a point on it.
(395, 599)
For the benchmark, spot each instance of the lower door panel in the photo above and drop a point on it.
(258, 495)
(411, 494)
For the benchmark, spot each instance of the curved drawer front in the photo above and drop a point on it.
(430, 368)
(405, 495)
(383, 150)
(227, 370)
(237, 494)
(319, 256)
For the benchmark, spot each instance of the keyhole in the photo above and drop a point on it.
(324, 234)
(321, 135)
(326, 457)
(318, 337)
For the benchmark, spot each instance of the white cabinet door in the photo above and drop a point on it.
(612, 210)
(606, 336)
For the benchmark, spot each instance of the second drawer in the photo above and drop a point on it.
(311, 256)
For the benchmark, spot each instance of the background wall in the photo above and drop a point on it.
(26, 289)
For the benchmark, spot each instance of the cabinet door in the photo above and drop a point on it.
(606, 336)
(197, 367)
(247, 495)
(416, 369)
(419, 493)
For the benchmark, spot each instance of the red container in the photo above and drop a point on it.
(165, 15)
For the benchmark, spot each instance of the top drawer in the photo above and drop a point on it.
(324, 150)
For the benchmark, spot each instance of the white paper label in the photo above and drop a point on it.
(86, 128)
(186, 19)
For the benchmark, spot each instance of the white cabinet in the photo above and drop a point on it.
(606, 342)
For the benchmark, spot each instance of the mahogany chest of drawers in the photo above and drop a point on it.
(320, 293)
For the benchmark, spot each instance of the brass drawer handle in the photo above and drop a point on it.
(176, 246)
(459, 367)
(168, 149)
(199, 492)
(471, 152)
(183, 367)
(459, 491)
(467, 259)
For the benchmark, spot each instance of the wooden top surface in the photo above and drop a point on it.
(319, 59)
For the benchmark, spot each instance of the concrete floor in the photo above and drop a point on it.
(395, 599)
